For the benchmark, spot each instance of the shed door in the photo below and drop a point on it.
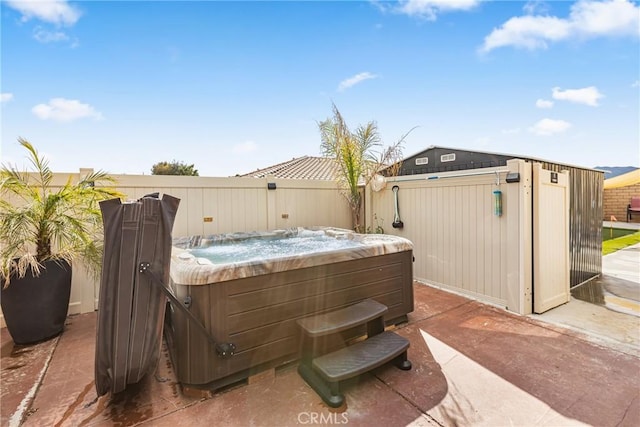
(550, 239)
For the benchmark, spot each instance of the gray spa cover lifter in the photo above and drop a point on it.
(131, 308)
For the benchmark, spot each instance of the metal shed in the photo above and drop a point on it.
(585, 198)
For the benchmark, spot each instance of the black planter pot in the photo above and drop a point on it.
(35, 308)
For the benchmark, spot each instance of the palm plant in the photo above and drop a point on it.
(359, 156)
(40, 222)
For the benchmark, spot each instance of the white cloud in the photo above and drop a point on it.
(588, 18)
(613, 17)
(45, 36)
(245, 147)
(6, 97)
(65, 110)
(636, 83)
(352, 81)
(430, 9)
(531, 32)
(587, 96)
(543, 103)
(546, 127)
(535, 7)
(58, 12)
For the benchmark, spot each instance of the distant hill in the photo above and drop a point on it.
(612, 171)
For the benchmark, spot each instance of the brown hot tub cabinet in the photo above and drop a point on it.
(255, 305)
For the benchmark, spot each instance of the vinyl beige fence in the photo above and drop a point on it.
(459, 242)
(223, 205)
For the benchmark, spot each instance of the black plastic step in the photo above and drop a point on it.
(343, 319)
(361, 357)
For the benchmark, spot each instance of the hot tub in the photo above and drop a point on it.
(253, 300)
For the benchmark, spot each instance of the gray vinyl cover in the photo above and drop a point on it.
(131, 308)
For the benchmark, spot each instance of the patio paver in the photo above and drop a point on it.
(473, 364)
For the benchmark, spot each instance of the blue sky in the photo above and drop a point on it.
(235, 86)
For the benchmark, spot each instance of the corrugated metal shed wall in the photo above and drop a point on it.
(585, 223)
(586, 204)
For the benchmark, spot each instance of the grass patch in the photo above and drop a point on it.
(612, 245)
(614, 233)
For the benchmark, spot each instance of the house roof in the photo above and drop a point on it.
(629, 178)
(325, 168)
(305, 167)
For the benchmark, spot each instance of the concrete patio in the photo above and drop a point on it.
(473, 364)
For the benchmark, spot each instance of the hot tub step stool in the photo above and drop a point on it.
(325, 372)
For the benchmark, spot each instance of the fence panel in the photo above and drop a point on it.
(222, 205)
(459, 242)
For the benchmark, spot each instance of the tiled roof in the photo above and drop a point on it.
(306, 167)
